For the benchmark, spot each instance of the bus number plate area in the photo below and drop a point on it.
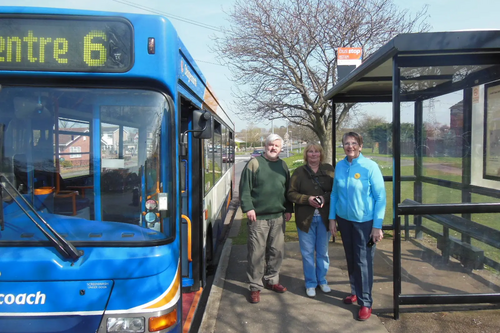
(65, 44)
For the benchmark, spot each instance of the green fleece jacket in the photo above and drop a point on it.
(263, 187)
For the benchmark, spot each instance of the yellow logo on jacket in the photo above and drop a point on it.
(357, 175)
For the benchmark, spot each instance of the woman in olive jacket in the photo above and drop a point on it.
(309, 190)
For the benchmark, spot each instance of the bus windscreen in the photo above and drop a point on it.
(47, 43)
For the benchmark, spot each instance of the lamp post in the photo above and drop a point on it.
(291, 142)
(273, 92)
(288, 139)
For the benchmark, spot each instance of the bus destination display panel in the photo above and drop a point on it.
(54, 44)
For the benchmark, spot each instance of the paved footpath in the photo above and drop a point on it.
(230, 311)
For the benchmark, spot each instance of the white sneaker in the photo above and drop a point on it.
(311, 292)
(325, 288)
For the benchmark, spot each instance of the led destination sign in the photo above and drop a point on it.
(54, 44)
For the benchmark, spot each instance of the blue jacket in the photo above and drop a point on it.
(358, 192)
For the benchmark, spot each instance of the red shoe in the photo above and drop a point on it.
(255, 296)
(364, 313)
(350, 299)
(275, 287)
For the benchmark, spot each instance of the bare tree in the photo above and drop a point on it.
(252, 135)
(282, 54)
(304, 134)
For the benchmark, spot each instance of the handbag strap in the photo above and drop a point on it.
(315, 178)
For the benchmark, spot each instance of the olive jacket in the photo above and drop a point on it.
(303, 184)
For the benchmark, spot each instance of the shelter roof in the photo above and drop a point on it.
(430, 64)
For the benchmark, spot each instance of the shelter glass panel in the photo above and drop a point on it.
(454, 254)
(443, 137)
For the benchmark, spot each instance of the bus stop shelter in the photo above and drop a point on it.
(443, 148)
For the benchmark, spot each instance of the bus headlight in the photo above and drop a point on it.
(125, 325)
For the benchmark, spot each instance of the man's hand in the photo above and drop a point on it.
(288, 216)
(252, 217)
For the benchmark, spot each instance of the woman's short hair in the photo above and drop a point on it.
(318, 147)
(273, 137)
(358, 137)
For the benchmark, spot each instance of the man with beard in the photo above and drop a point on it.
(263, 187)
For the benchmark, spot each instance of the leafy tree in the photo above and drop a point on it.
(252, 135)
(365, 125)
(407, 132)
(381, 133)
(282, 54)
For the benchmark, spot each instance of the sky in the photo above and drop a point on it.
(444, 15)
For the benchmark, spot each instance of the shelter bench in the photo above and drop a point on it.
(470, 256)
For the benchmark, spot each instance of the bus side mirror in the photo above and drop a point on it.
(202, 124)
(202, 129)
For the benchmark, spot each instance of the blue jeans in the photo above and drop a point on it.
(315, 240)
(359, 258)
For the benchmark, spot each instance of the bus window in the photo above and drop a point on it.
(93, 154)
(224, 150)
(74, 147)
(217, 152)
(209, 164)
(123, 150)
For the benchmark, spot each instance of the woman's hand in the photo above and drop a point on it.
(312, 202)
(376, 234)
(333, 227)
(322, 201)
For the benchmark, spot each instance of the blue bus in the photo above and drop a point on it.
(114, 188)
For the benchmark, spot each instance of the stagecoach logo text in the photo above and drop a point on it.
(21, 299)
(187, 72)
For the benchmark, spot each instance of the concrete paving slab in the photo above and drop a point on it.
(291, 311)
(423, 272)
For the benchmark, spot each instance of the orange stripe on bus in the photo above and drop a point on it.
(170, 295)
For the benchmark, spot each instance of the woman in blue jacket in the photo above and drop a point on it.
(357, 207)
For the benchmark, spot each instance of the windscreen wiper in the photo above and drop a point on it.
(65, 248)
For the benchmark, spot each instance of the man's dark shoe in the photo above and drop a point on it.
(254, 296)
(350, 299)
(364, 313)
(275, 287)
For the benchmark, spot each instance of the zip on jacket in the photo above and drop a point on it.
(358, 192)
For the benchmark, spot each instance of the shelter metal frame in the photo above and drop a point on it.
(413, 68)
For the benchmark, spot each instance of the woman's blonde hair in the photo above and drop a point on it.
(318, 147)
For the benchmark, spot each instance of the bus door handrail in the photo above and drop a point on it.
(188, 236)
